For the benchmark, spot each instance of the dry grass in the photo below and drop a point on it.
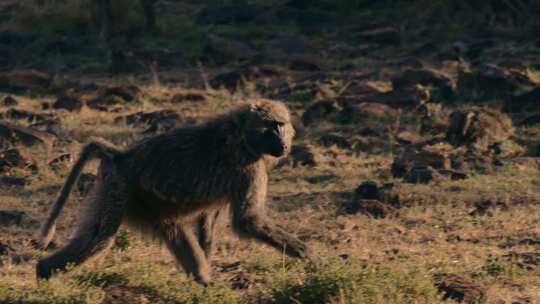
(367, 260)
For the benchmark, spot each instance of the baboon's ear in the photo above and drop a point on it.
(254, 108)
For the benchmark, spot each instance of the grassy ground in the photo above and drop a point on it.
(367, 260)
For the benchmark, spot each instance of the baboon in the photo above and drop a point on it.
(165, 183)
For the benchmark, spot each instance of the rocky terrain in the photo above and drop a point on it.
(414, 172)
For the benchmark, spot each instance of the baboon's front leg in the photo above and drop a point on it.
(206, 226)
(183, 244)
(249, 218)
(260, 227)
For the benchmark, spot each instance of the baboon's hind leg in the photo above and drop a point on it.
(183, 244)
(98, 223)
(206, 225)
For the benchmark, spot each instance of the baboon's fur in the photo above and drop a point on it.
(165, 183)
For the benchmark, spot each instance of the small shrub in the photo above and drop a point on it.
(122, 241)
(101, 278)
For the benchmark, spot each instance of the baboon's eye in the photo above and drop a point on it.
(275, 126)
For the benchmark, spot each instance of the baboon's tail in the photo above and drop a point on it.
(95, 149)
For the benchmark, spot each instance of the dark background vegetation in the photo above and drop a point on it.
(80, 34)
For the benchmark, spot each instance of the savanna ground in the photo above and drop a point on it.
(320, 57)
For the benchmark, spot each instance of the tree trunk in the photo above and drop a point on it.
(104, 19)
(149, 14)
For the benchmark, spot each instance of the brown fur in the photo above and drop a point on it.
(164, 183)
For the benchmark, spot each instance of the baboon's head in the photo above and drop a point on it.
(268, 128)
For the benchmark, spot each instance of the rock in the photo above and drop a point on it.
(520, 300)
(459, 288)
(424, 77)
(530, 241)
(264, 71)
(192, 97)
(365, 88)
(373, 132)
(5, 250)
(6, 253)
(11, 158)
(478, 128)
(13, 182)
(370, 144)
(156, 121)
(484, 207)
(367, 190)
(104, 102)
(433, 119)
(319, 111)
(51, 126)
(409, 138)
(380, 35)
(370, 199)
(526, 102)
(305, 63)
(525, 260)
(315, 87)
(368, 113)
(24, 80)
(115, 96)
(331, 139)
(85, 182)
(67, 102)
(231, 80)
(524, 162)
(420, 175)
(9, 101)
(453, 174)
(128, 93)
(240, 281)
(228, 267)
(29, 116)
(56, 163)
(319, 179)
(302, 155)
(15, 218)
(491, 81)
(27, 136)
(472, 161)
(409, 98)
(409, 159)
(324, 91)
(147, 118)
